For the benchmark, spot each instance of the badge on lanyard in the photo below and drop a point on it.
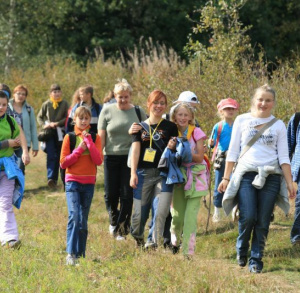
(149, 155)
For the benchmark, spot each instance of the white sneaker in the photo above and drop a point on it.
(70, 260)
(217, 217)
(112, 229)
(120, 238)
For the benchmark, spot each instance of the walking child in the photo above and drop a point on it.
(81, 168)
(220, 139)
(187, 197)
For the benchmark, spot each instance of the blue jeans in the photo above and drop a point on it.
(295, 232)
(151, 192)
(79, 198)
(256, 207)
(218, 196)
(118, 190)
(53, 148)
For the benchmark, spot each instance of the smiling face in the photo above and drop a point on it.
(263, 104)
(123, 100)
(157, 108)
(183, 117)
(3, 106)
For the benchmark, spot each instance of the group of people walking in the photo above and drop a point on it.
(152, 162)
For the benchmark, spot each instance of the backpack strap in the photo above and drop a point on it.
(159, 143)
(220, 127)
(296, 124)
(11, 124)
(138, 112)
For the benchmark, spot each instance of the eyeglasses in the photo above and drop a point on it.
(21, 93)
(159, 103)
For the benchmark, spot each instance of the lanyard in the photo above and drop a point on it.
(151, 135)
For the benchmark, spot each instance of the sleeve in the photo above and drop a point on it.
(174, 130)
(4, 144)
(94, 149)
(137, 136)
(33, 131)
(235, 142)
(290, 136)
(199, 134)
(41, 116)
(102, 121)
(282, 145)
(66, 158)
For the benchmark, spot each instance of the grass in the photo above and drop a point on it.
(110, 266)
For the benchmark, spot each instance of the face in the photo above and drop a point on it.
(84, 97)
(56, 94)
(20, 96)
(263, 104)
(82, 122)
(157, 108)
(123, 100)
(3, 106)
(228, 112)
(183, 117)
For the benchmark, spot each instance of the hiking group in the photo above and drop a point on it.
(154, 162)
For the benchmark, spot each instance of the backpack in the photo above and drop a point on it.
(72, 137)
(138, 112)
(11, 124)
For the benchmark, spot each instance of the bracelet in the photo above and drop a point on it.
(226, 179)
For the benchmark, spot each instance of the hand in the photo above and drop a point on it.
(134, 180)
(85, 134)
(291, 190)
(53, 124)
(13, 143)
(34, 153)
(223, 185)
(211, 142)
(25, 158)
(134, 128)
(172, 144)
(83, 145)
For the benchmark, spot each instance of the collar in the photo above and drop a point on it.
(79, 131)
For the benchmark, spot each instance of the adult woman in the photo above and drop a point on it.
(149, 187)
(113, 125)
(257, 177)
(24, 115)
(52, 115)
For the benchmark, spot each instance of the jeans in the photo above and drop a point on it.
(256, 207)
(79, 198)
(295, 232)
(118, 190)
(152, 191)
(218, 196)
(19, 153)
(53, 148)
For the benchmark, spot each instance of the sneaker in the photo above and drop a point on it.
(242, 260)
(112, 229)
(139, 243)
(51, 183)
(175, 249)
(14, 244)
(254, 270)
(296, 242)
(150, 245)
(70, 260)
(120, 238)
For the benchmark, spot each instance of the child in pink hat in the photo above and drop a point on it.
(219, 140)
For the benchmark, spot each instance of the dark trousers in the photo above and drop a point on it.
(53, 148)
(118, 191)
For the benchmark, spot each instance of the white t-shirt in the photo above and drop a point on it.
(271, 145)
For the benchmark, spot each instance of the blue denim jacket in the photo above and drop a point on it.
(170, 161)
(13, 172)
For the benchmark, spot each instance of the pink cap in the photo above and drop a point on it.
(228, 103)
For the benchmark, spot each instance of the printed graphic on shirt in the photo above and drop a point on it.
(159, 134)
(267, 138)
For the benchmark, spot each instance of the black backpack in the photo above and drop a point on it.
(72, 137)
(11, 124)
